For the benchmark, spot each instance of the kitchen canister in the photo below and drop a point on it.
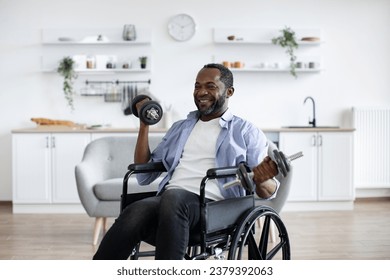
(129, 33)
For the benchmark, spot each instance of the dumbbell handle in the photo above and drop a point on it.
(236, 181)
(294, 157)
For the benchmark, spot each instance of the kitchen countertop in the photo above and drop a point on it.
(65, 129)
(317, 129)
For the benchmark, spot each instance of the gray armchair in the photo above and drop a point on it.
(279, 201)
(284, 189)
(99, 177)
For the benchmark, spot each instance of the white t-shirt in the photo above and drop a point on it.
(198, 156)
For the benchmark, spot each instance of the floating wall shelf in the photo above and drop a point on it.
(261, 55)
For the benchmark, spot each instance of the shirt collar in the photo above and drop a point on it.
(225, 118)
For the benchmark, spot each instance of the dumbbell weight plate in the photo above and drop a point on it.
(281, 162)
(134, 102)
(243, 175)
(151, 112)
(285, 161)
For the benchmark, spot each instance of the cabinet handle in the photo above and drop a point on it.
(313, 140)
(53, 142)
(47, 142)
(320, 140)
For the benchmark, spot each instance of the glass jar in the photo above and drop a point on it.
(91, 62)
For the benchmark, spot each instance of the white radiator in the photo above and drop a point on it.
(372, 147)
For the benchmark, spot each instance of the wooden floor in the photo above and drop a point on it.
(361, 234)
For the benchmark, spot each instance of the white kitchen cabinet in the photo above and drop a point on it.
(325, 172)
(31, 168)
(67, 151)
(43, 169)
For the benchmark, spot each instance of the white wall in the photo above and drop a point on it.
(356, 56)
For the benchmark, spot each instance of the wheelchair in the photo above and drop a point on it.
(243, 234)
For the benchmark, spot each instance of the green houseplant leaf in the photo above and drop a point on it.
(66, 69)
(287, 40)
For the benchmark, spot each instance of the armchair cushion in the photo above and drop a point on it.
(110, 189)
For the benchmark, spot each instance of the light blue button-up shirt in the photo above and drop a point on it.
(239, 141)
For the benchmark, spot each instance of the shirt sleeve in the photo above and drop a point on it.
(260, 148)
(156, 156)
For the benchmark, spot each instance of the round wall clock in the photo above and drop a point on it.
(181, 27)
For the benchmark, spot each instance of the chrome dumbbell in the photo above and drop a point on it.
(244, 175)
(283, 162)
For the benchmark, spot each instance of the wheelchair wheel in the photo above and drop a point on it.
(252, 242)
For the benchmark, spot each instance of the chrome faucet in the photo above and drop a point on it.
(313, 122)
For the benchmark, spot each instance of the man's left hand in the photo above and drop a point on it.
(267, 169)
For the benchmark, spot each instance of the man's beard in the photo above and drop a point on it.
(215, 107)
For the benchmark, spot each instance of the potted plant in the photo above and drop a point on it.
(143, 60)
(66, 69)
(287, 40)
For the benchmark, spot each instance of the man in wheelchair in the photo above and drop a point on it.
(209, 137)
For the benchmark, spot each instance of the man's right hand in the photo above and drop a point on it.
(139, 106)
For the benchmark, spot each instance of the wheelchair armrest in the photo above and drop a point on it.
(136, 168)
(222, 172)
(146, 167)
(214, 173)
(241, 172)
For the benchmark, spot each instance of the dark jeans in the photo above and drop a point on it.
(164, 221)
